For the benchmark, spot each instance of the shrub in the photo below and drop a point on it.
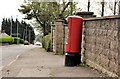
(7, 39)
(21, 41)
(46, 42)
(16, 40)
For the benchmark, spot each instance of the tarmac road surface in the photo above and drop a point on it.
(10, 52)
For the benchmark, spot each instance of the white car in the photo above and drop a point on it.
(26, 43)
(38, 44)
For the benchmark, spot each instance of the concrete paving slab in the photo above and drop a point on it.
(33, 72)
(39, 63)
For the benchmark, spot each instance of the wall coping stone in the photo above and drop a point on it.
(59, 20)
(102, 18)
(84, 13)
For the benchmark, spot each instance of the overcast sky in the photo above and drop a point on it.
(9, 8)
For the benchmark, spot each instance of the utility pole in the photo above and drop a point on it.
(11, 26)
(24, 34)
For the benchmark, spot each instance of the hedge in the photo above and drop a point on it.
(7, 39)
(16, 39)
(46, 42)
(11, 40)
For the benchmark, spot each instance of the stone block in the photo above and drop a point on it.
(114, 46)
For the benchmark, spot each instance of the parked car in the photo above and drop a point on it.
(26, 43)
(38, 44)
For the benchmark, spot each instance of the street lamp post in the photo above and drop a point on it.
(26, 34)
(29, 35)
(11, 26)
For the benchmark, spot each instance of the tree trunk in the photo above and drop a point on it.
(88, 5)
(103, 3)
(71, 6)
(115, 7)
(44, 32)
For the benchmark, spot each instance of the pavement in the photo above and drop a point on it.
(39, 63)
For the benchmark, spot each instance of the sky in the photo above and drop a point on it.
(10, 8)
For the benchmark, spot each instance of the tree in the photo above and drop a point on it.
(46, 12)
(113, 6)
(6, 25)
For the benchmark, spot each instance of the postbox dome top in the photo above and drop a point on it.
(74, 17)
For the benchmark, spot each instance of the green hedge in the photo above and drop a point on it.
(16, 40)
(46, 42)
(20, 41)
(7, 39)
(11, 40)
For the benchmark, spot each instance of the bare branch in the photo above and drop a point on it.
(65, 7)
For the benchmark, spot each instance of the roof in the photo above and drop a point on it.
(3, 35)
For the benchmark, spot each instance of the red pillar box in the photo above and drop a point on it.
(73, 43)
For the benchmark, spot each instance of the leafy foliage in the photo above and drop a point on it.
(46, 12)
(18, 40)
(7, 39)
(46, 42)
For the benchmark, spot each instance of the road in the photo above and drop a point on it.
(10, 52)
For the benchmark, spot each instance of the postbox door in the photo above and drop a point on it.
(74, 34)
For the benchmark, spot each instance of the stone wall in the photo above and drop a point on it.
(119, 48)
(100, 43)
(57, 34)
